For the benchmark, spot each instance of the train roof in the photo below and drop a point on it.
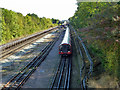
(66, 39)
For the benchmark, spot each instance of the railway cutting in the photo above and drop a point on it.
(62, 76)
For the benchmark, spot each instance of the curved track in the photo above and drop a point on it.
(62, 76)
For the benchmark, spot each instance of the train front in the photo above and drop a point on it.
(65, 46)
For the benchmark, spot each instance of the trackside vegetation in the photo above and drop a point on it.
(14, 25)
(98, 23)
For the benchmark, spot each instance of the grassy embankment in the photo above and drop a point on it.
(99, 26)
(14, 25)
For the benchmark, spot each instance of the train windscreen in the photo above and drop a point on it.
(64, 48)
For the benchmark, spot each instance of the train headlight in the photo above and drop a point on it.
(69, 52)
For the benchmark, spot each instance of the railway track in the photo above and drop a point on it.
(85, 59)
(20, 78)
(10, 48)
(61, 78)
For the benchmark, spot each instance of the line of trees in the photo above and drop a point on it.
(99, 24)
(14, 25)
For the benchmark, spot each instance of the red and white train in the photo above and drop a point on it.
(65, 46)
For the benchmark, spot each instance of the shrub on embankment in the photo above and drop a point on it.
(99, 25)
(14, 25)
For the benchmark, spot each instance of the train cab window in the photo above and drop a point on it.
(64, 48)
(68, 48)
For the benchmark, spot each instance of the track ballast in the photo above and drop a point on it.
(62, 76)
(19, 79)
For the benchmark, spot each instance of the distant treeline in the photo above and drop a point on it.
(14, 25)
(99, 25)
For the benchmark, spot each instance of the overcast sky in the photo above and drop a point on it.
(58, 9)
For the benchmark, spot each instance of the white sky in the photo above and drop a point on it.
(58, 9)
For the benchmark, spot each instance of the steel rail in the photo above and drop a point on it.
(87, 54)
(83, 68)
(80, 51)
(4, 46)
(32, 61)
(61, 75)
(36, 62)
(11, 47)
(80, 56)
(83, 85)
(56, 76)
(61, 79)
(11, 50)
(32, 65)
(57, 71)
(66, 76)
(36, 65)
(69, 73)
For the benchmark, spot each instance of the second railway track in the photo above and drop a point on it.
(19, 79)
(11, 48)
